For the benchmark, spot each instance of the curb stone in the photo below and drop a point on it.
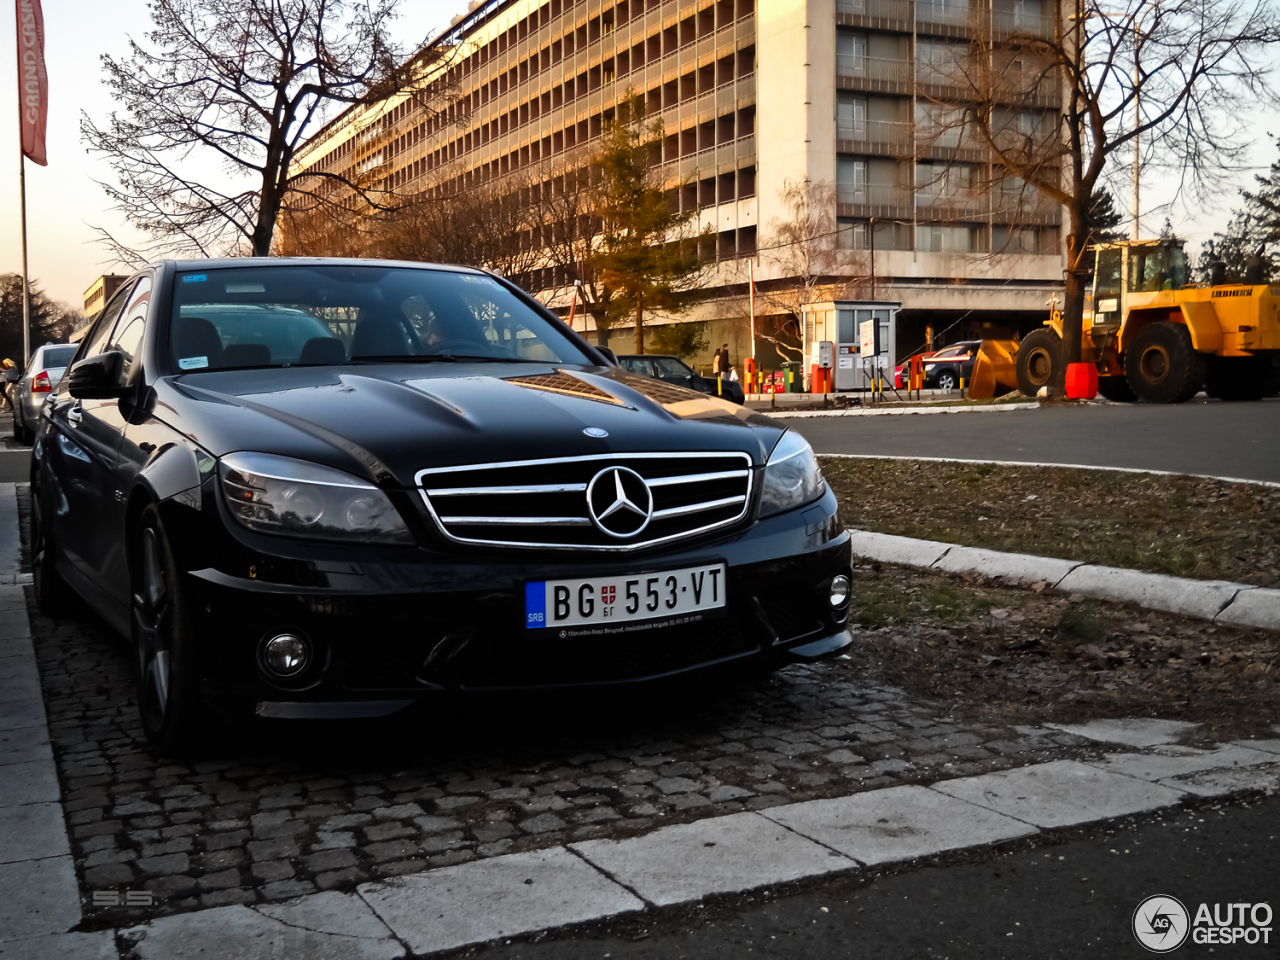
(1217, 600)
(895, 411)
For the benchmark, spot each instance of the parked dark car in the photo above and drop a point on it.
(674, 370)
(319, 488)
(943, 368)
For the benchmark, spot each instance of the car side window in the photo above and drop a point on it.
(128, 337)
(96, 341)
(637, 365)
(671, 369)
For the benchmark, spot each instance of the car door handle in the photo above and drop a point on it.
(74, 414)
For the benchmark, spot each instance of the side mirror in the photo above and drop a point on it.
(608, 355)
(12, 376)
(98, 377)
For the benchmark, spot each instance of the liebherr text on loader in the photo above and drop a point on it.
(1157, 337)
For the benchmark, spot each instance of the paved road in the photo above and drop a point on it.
(1223, 439)
(1044, 899)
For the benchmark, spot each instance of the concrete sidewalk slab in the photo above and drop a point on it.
(900, 823)
(1271, 746)
(1060, 794)
(241, 933)
(1258, 607)
(891, 549)
(1159, 766)
(63, 946)
(38, 897)
(1015, 567)
(1131, 731)
(17, 714)
(20, 682)
(501, 897)
(31, 782)
(689, 861)
(25, 744)
(32, 831)
(1193, 598)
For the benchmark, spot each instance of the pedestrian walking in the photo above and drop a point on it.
(724, 361)
(716, 363)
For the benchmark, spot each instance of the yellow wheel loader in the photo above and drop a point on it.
(1157, 337)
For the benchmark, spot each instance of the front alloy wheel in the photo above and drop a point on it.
(169, 699)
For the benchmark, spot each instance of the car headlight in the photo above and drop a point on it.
(281, 495)
(791, 477)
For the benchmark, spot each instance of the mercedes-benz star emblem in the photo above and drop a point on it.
(619, 502)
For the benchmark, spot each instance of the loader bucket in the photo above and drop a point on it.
(995, 371)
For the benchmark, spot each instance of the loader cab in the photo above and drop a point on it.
(1127, 271)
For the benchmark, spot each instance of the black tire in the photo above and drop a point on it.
(51, 591)
(1116, 389)
(1162, 366)
(170, 701)
(1039, 361)
(946, 380)
(1238, 378)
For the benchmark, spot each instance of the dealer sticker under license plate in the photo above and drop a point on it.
(624, 599)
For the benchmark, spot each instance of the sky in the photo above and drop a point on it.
(64, 200)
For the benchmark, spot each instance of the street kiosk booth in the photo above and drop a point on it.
(841, 324)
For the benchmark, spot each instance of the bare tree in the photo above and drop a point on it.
(1174, 75)
(805, 246)
(494, 226)
(245, 83)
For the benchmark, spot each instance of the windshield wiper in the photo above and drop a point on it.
(478, 358)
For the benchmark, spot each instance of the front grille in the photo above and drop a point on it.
(543, 503)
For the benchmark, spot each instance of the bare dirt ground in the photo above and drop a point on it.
(988, 650)
(1184, 526)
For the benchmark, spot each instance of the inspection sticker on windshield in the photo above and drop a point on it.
(195, 278)
(193, 363)
(593, 601)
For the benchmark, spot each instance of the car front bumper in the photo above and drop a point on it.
(386, 635)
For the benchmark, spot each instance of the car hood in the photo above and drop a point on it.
(388, 421)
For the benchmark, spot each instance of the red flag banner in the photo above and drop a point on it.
(33, 82)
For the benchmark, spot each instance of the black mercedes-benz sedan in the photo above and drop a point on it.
(332, 488)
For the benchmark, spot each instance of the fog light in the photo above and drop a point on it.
(839, 591)
(286, 655)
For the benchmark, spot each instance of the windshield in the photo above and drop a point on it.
(317, 315)
(58, 356)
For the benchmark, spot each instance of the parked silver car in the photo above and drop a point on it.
(35, 384)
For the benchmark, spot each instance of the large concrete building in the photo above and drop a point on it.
(855, 97)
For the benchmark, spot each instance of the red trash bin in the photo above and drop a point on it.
(1082, 381)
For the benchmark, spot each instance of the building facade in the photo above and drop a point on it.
(857, 98)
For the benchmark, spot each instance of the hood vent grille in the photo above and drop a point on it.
(565, 385)
(543, 503)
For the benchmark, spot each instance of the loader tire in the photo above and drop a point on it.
(1162, 366)
(1238, 378)
(1039, 361)
(1116, 389)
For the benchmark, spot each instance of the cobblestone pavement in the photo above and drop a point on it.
(316, 807)
(307, 806)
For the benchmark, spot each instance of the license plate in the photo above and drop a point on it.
(669, 594)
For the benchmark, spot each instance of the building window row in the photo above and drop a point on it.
(855, 234)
